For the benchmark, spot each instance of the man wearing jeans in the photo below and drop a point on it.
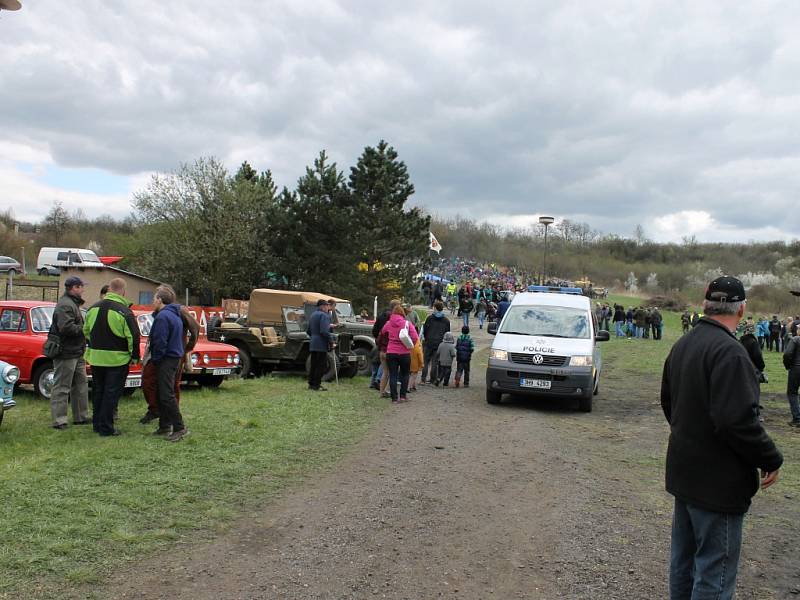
(709, 394)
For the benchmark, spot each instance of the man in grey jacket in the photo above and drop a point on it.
(69, 368)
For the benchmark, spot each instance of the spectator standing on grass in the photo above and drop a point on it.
(436, 325)
(657, 323)
(751, 345)
(166, 353)
(398, 357)
(686, 321)
(762, 332)
(112, 336)
(319, 329)
(695, 319)
(191, 332)
(774, 334)
(791, 361)
(70, 385)
(789, 325)
(619, 320)
(709, 392)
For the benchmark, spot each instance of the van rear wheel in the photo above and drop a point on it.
(493, 397)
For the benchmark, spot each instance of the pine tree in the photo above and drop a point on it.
(392, 242)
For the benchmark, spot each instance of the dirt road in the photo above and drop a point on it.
(450, 497)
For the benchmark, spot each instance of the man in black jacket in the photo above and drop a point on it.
(774, 334)
(791, 360)
(436, 325)
(709, 394)
(69, 369)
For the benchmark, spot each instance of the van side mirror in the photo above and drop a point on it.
(602, 336)
(492, 328)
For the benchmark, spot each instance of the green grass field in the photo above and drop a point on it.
(641, 359)
(75, 504)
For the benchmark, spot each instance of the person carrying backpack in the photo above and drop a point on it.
(465, 346)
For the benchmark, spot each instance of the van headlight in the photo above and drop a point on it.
(10, 374)
(581, 361)
(498, 354)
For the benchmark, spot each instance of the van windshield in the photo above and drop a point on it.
(88, 257)
(547, 321)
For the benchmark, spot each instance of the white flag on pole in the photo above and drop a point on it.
(435, 245)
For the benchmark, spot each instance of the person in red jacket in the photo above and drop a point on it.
(398, 357)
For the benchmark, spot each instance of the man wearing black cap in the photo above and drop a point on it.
(709, 393)
(69, 368)
(319, 328)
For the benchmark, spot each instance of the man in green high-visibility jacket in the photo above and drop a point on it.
(112, 336)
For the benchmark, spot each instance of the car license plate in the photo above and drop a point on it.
(352, 359)
(133, 382)
(221, 371)
(542, 384)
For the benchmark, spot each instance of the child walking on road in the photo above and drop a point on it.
(446, 352)
(465, 346)
(416, 366)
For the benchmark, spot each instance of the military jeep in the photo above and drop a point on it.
(273, 335)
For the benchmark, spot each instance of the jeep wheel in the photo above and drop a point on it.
(246, 364)
(329, 374)
(44, 272)
(493, 397)
(364, 369)
(43, 380)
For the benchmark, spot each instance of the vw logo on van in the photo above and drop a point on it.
(537, 359)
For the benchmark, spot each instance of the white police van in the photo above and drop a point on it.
(546, 345)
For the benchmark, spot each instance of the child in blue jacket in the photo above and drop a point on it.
(464, 349)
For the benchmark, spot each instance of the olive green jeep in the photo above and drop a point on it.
(274, 335)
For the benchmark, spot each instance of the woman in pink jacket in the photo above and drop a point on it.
(398, 357)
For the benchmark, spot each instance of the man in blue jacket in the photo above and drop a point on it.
(319, 328)
(166, 351)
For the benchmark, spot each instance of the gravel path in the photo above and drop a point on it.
(451, 497)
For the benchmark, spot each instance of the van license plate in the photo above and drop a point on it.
(222, 371)
(133, 382)
(542, 384)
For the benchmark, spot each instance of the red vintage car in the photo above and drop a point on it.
(211, 362)
(23, 330)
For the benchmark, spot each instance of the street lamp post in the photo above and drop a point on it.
(546, 221)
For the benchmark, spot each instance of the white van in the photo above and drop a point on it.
(65, 257)
(546, 346)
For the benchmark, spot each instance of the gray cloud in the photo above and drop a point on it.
(615, 112)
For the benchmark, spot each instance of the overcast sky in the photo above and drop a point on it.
(681, 116)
